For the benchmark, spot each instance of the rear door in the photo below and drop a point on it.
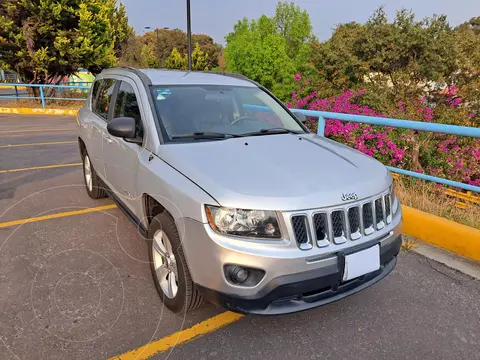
(101, 97)
(121, 157)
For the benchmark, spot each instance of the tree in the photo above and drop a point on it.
(163, 41)
(473, 24)
(176, 61)
(258, 53)
(180, 62)
(398, 60)
(131, 54)
(294, 25)
(46, 40)
(199, 59)
(467, 78)
(271, 50)
(147, 57)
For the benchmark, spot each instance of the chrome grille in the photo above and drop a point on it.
(300, 229)
(380, 223)
(321, 226)
(388, 209)
(367, 214)
(341, 225)
(338, 226)
(354, 222)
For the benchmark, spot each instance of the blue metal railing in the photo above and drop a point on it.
(396, 123)
(62, 89)
(404, 124)
(320, 115)
(79, 83)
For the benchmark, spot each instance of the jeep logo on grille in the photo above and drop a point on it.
(349, 196)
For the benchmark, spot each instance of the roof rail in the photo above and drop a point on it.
(234, 75)
(238, 76)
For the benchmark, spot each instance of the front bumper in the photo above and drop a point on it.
(306, 290)
(310, 278)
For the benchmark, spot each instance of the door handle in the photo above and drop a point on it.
(108, 140)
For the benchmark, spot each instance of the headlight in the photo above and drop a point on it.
(395, 202)
(240, 222)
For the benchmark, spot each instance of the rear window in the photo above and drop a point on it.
(101, 96)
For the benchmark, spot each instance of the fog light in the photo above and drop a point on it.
(238, 275)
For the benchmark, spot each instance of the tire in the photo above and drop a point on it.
(163, 238)
(92, 183)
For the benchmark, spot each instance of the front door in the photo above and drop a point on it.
(121, 157)
(97, 119)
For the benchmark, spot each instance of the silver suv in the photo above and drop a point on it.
(239, 203)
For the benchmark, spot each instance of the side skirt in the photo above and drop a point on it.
(131, 216)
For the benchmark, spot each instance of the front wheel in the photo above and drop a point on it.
(169, 267)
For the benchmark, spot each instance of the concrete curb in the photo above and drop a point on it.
(28, 111)
(13, 87)
(446, 234)
(447, 258)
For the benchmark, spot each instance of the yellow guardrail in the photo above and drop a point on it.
(468, 198)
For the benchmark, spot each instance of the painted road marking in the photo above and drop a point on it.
(56, 216)
(38, 144)
(35, 130)
(205, 327)
(40, 167)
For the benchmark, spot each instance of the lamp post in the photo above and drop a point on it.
(156, 30)
(156, 35)
(189, 36)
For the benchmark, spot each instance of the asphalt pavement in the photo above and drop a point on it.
(78, 286)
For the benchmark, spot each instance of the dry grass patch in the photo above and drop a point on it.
(428, 197)
(408, 243)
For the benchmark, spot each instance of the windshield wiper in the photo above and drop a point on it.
(272, 131)
(204, 135)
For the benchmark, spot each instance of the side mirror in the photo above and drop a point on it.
(124, 127)
(300, 116)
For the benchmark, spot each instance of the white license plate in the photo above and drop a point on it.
(361, 263)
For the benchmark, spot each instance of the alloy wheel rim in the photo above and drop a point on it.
(165, 264)
(88, 173)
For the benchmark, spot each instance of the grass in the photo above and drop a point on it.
(408, 243)
(426, 196)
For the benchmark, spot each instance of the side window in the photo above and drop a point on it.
(96, 86)
(127, 105)
(103, 97)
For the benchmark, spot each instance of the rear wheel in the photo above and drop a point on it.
(169, 267)
(92, 183)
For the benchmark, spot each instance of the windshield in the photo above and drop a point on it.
(205, 109)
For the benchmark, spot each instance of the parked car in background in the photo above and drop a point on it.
(240, 204)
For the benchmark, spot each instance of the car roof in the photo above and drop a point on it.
(177, 77)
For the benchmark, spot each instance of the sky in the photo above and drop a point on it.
(217, 17)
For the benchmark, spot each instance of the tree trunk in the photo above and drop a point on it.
(416, 157)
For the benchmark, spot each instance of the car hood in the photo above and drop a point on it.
(277, 172)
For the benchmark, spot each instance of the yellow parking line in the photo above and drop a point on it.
(37, 144)
(209, 325)
(56, 216)
(40, 167)
(35, 130)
